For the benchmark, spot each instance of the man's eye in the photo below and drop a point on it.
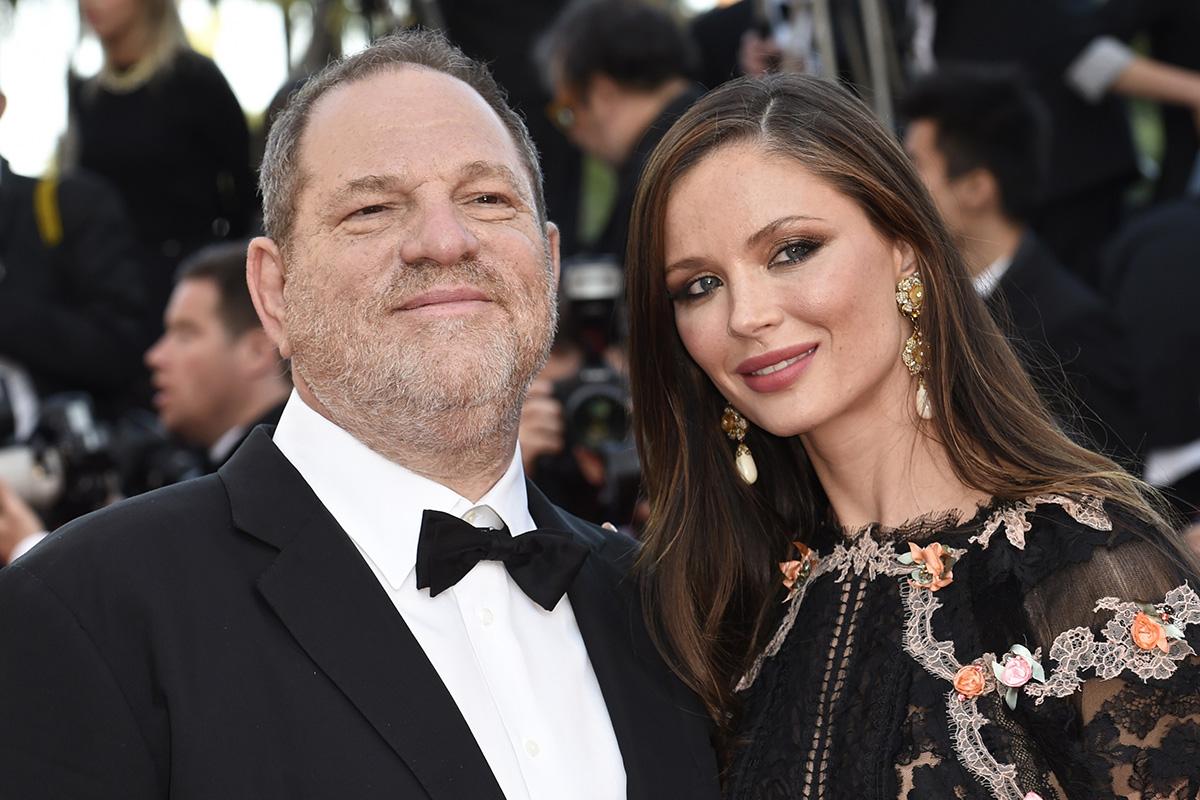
(367, 211)
(490, 199)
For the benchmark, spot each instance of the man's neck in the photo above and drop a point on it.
(642, 109)
(988, 241)
(465, 455)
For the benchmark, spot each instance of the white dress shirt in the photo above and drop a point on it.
(519, 674)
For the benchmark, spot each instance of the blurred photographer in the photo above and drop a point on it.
(70, 303)
(574, 433)
(620, 73)
(215, 373)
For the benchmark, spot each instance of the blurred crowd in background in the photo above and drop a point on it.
(1058, 138)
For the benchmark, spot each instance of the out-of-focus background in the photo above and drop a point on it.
(1058, 138)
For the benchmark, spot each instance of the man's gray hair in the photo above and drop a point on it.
(281, 178)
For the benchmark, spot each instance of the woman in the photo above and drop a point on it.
(811, 365)
(161, 124)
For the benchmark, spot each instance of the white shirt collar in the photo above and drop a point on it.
(376, 501)
(985, 282)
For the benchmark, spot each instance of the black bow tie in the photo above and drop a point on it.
(542, 562)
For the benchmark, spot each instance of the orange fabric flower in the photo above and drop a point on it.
(970, 681)
(934, 563)
(1148, 634)
(797, 571)
(791, 571)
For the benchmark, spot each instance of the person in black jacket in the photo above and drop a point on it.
(976, 136)
(70, 299)
(162, 125)
(621, 73)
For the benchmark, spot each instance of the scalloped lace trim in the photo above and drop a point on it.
(1075, 650)
(1086, 510)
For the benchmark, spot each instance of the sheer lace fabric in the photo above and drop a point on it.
(858, 701)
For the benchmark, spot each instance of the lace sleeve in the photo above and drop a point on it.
(1124, 627)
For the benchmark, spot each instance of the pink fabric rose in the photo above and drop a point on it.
(1016, 673)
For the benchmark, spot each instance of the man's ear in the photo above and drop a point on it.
(265, 278)
(977, 191)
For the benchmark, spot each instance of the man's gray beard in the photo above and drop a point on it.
(409, 398)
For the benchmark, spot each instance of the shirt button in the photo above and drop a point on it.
(486, 617)
(532, 748)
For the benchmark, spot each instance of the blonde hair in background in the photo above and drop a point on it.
(166, 38)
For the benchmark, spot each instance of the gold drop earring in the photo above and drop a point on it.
(735, 427)
(910, 297)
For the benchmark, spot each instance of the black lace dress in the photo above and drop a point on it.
(1041, 649)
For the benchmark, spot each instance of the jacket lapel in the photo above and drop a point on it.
(651, 713)
(331, 602)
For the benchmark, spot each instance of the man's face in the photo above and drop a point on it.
(195, 365)
(920, 141)
(585, 124)
(419, 279)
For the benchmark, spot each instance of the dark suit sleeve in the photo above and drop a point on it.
(66, 730)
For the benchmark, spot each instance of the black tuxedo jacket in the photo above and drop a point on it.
(223, 638)
(1073, 346)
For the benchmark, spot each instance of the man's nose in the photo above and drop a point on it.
(154, 356)
(440, 236)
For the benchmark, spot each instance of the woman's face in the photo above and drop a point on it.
(111, 19)
(784, 293)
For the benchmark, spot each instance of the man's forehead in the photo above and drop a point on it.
(404, 106)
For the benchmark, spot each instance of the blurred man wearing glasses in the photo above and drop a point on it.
(620, 72)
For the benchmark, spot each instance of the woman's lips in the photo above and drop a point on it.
(778, 369)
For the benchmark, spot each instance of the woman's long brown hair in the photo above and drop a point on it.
(712, 543)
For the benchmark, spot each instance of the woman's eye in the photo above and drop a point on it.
(697, 288)
(795, 251)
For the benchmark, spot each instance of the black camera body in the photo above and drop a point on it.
(74, 463)
(595, 400)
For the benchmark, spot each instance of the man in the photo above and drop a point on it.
(70, 302)
(312, 620)
(215, 372)
(619, 71)
(977, 139)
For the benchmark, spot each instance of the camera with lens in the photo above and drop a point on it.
(72, 463)
(595, 399)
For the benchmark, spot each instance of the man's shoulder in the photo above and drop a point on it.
(1039, 284)
(612, 546)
